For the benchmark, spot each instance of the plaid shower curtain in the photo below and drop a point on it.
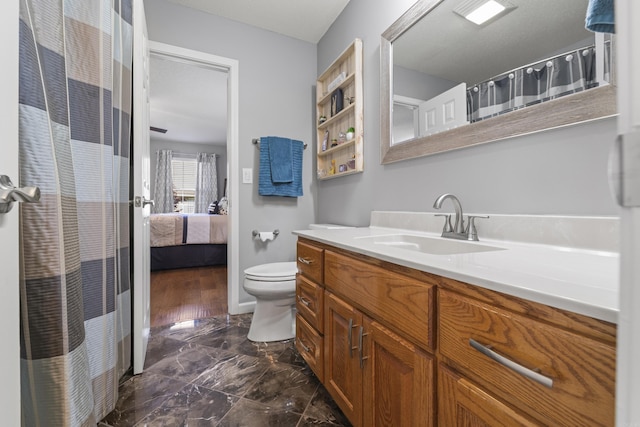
(561, 75)
(75, 104)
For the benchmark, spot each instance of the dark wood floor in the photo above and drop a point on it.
(188, 293)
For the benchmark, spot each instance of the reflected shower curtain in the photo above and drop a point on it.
(163, 184)
(558, 76)
(206, 182)
(75, 103)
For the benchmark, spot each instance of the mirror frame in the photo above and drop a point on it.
(580, 107)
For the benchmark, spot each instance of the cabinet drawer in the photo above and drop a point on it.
(309, 302)
(310, 345)
(310, 260)
(460, 402)
(582, 370)
(402, 304)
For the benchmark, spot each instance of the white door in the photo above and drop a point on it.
(141, 188)
(445, 111)
(9, 333)
(628, 61)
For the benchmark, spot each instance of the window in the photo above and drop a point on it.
(184, 184)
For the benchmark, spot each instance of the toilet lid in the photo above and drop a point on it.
(275, 271)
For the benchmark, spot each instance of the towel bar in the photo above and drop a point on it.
(256, 142)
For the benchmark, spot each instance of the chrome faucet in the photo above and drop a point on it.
(458, 231)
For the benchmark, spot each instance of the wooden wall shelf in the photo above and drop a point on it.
(351, 115)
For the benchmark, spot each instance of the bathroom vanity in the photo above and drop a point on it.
(401, 334)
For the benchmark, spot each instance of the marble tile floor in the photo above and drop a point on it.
(207, 373)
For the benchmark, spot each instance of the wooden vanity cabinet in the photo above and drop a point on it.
(310, 306)
(373, 329)
(377, 376)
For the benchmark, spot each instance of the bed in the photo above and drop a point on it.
(187, 240)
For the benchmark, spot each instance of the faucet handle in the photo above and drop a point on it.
(447, 223)
(472, 233)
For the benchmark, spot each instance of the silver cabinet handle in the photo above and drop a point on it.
(305, 260)
(9, 193)
(350, 338)
(535, 376)
(304, 347)
(361, 336)
(304, 301)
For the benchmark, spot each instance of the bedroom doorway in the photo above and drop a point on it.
(229, 67)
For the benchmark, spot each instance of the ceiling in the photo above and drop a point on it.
(190, 101)
(306, 20)
(190, 112)
(461, 51)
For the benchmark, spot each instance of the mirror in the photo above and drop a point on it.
(431, 55)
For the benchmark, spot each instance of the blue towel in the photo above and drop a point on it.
(266, 187)
(600, 16)
(280, 158)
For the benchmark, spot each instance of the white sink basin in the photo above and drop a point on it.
(429, 245)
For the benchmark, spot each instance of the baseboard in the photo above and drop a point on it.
(246, 307)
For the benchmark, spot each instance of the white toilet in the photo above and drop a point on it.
(274, 288)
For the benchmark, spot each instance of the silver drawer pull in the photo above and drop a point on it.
(305, 260)
(304, 301)
(545, 381)
(305, 348)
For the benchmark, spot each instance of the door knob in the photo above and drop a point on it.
(9, 193)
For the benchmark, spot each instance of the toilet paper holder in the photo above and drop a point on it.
(256, 233)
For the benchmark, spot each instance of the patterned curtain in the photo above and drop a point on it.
(163, 191)
(206, 182)
(75, 104)
(558, 76)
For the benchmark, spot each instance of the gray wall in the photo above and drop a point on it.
(561, 171)
(186, 148)
(415, 84)
(277, 76)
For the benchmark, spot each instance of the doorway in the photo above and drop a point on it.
(230, 66)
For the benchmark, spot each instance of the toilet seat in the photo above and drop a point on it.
(273, 272)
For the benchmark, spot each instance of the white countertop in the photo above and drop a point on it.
(583, 281)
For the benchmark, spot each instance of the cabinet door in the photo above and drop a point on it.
(342, 373)
(398, 383)
(463, 404)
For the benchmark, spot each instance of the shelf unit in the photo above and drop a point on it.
(345, 73)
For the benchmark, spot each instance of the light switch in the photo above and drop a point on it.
(247, 175)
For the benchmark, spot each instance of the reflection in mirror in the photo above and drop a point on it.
(447, 83)
(406, 122)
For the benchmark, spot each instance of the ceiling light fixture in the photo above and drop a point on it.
(485, 12)
(481, 11)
